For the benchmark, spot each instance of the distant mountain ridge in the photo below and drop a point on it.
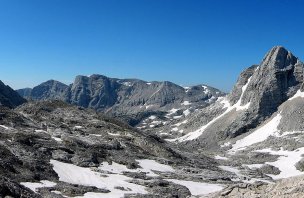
(123, 97)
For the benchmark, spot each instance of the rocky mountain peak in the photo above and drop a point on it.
(279, 58)
(258, 93)
(276, 79)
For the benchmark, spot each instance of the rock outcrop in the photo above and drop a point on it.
(39, 139)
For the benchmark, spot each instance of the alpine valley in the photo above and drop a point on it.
(106, 137)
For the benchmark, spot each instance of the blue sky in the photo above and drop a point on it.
(187, 42)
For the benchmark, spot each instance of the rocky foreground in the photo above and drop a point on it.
(286, 188)
(52, 149)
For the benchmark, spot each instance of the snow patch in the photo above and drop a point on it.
(114, 134)
(237, 172)
(186, 112)
(148, 106)
(298, 94)
(172, 111)
(206, 90)
(115, 168)
(198, 188)
(85, 176)
(57, 139)
(40, 131)
(218, 157)
(286, 162)
(260, 135)
(254, 166)
(226, 144)
(177, 117)
(238, 105)
(180, 123)
(128, 84)
(5, 127)
(34, 186)
(156, 122)
(96, 135)
(152, 117)
(149, 165)
(186, 103)
(195, 134)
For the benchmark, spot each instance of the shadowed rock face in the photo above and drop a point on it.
(96, 91)
(9, 97)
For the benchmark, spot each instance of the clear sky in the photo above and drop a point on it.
(187, 42)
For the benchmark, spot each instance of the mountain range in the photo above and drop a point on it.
(129, 99)
(107, 137)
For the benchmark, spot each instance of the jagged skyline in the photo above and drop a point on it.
(187, 43)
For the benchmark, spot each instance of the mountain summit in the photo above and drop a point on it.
(258, 93)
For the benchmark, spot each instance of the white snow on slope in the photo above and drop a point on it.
(172, 111)
(149, 165)
(148, 106)
(186, 112)
(206, 90)
(237, 172)
(34, 186)
(57, 139)
(238, 105)
(128, 84)
(198, 188)
(224, 101)
(114, 134)
(85, 176)
(218, 157)
(115, 168)
(195, 134)
(298, 94)
(152, 117)
(186, 103)
(187, 89)
(286, 162)
(5, 127)
(260, 135)
(180, 123)
(254, 166)
(40, 131)
(111, 178)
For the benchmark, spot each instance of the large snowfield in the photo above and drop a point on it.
(111, 176)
